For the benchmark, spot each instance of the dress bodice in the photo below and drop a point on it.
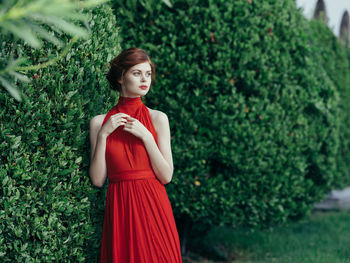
(124, 151)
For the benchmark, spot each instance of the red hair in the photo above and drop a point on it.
(123, 62)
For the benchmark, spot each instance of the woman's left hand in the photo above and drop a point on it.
(135, 127)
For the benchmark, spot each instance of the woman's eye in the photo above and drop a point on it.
(147, 74)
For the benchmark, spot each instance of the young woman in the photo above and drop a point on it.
(131, 146)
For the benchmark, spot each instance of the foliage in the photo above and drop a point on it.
(254, 115)
(27, 20)
(335, 58)
(49, 209)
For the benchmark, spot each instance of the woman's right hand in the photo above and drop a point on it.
(113, 123)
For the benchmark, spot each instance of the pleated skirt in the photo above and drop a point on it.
(139, 225)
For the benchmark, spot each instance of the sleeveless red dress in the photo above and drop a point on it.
(139, 225)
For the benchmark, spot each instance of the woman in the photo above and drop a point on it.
(131, 145)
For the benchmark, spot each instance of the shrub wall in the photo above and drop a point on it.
(49, 209)
(254, 114)
(335, 60)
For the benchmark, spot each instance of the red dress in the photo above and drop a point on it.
(139, 225)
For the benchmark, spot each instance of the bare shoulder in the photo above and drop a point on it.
(96, 121)
(159, 118)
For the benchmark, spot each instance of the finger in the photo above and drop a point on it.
(120, 115)
(126, 115)
(123, 119)
(121, 123)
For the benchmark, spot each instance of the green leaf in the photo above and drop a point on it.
(19, 76)
(47, 35)
(24, 32)
(11, 89)
(64, 25)
(168, 3)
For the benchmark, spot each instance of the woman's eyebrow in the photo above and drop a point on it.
(141, 70)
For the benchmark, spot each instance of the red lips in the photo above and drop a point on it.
(143, 87)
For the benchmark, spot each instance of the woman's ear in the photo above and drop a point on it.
(120, 81)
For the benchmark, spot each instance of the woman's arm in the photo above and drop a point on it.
(161, 158)
(98, 169)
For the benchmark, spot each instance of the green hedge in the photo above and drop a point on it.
(335, 60)
(254, 114)
(49, 209)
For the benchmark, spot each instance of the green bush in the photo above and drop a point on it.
(253, 112)
(335, 60)
(49, 209)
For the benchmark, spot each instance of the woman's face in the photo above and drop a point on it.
(137, 80)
